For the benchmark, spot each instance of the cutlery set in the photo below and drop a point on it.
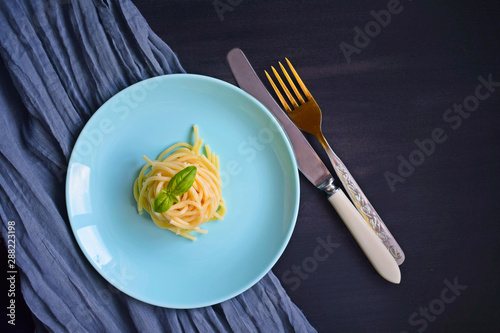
(301, 112)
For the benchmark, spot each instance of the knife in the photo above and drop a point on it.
(315, 171)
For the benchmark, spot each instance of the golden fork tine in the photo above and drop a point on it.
(282, 100)
(307, 117)
(295, 90)
(285, 89)
(297, 77)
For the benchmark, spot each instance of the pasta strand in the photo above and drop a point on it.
(202, 203)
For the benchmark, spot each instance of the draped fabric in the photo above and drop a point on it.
(61, 60)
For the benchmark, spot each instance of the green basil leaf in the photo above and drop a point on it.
(172, 197)
(162, 202)
(182, 181)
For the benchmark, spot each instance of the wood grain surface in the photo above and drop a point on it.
(396, 89)
(391, 101)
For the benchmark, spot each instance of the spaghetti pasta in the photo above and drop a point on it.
(202, 203)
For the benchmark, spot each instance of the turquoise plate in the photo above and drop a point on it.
(259, 183)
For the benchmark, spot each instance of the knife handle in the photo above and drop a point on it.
(381, 259)
(363, 205)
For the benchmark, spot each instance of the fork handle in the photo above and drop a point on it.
(364, 206)
(376, 252)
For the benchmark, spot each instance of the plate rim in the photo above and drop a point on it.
(296, 198)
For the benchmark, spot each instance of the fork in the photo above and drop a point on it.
(306, 115)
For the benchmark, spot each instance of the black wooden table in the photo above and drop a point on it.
(395, 81)
(410, 93)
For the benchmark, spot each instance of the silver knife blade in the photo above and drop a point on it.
(309, 162)
(315, 171)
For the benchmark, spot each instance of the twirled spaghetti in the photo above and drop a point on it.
(202, 203)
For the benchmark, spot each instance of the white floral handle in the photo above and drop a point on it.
(375, 250)
(363, 205)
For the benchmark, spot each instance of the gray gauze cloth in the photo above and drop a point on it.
(61, 60)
